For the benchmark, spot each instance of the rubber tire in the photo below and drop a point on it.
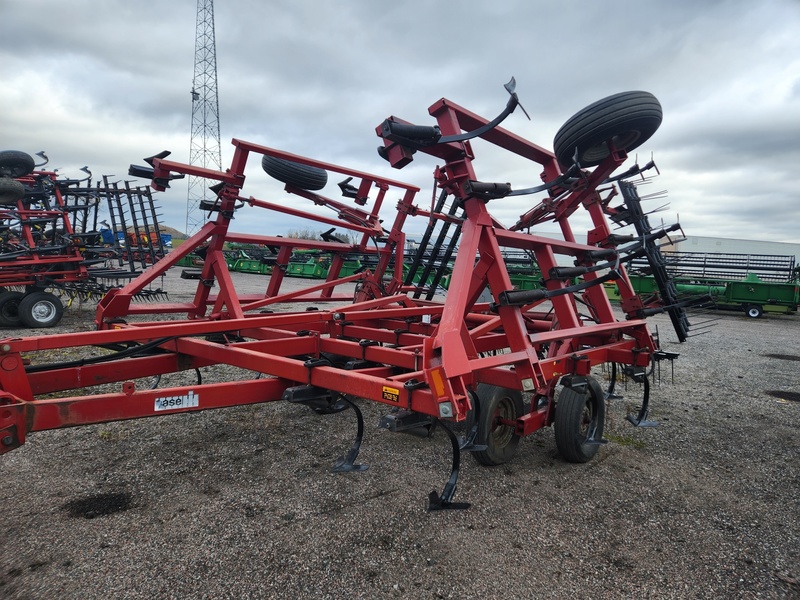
(754, 311)
(571, 428)
(9, 308)
(501, 440)
(292, 173)
(40, 309)
(629, 118)
(10, 191)
(14, 163)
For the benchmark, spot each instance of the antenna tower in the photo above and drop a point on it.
(204, 149)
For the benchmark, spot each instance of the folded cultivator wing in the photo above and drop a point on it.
(505, 361)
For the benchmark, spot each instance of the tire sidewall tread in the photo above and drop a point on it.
(15, 163)
(13, 298)
(30, 300)
(569, 409)
(11, 190)
(302, 176)
(488, 397)
(610, 116)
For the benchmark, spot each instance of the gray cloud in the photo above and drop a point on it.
(108, 83)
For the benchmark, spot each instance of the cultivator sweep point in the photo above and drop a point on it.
(440, 334)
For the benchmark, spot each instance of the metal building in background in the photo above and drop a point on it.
(204, 150)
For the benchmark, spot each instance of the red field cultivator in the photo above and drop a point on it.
(52, 245)
(505, 362)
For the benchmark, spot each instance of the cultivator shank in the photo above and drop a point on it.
(482, 352)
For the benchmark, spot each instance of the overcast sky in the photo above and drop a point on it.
(106, 83)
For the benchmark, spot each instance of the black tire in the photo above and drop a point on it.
(9, 309)
(302, 176)
(14, 163)
(501, 440)
(628, 118)
(754, 311)
(580, 417)
(10, 191)
(40, 309)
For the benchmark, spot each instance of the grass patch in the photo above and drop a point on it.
(626, 440)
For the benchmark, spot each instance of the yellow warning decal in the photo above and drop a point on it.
(391, 394)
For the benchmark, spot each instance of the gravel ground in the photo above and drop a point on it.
(240, 503)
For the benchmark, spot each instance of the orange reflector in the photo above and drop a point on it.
(438, 382)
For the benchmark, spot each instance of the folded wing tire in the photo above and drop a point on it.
(9, 308)
(629, 119)
(302, 176)
(10, 191)
(14, 163)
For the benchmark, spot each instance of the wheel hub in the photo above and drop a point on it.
(502, 432)
(43, 311)
(587, 418)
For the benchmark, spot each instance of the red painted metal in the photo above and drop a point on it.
(426, 356)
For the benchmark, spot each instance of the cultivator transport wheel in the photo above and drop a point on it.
(292, 173)
(754, 311)
(9, 308)
(627, 118)
(580, 416)
(497, 411)
(10, 191)
(14, 163)
(40, 309)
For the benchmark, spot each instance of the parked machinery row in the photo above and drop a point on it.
(56, 242)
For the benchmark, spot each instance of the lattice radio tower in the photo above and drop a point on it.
(204, 150)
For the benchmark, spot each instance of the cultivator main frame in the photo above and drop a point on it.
(468, 357)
